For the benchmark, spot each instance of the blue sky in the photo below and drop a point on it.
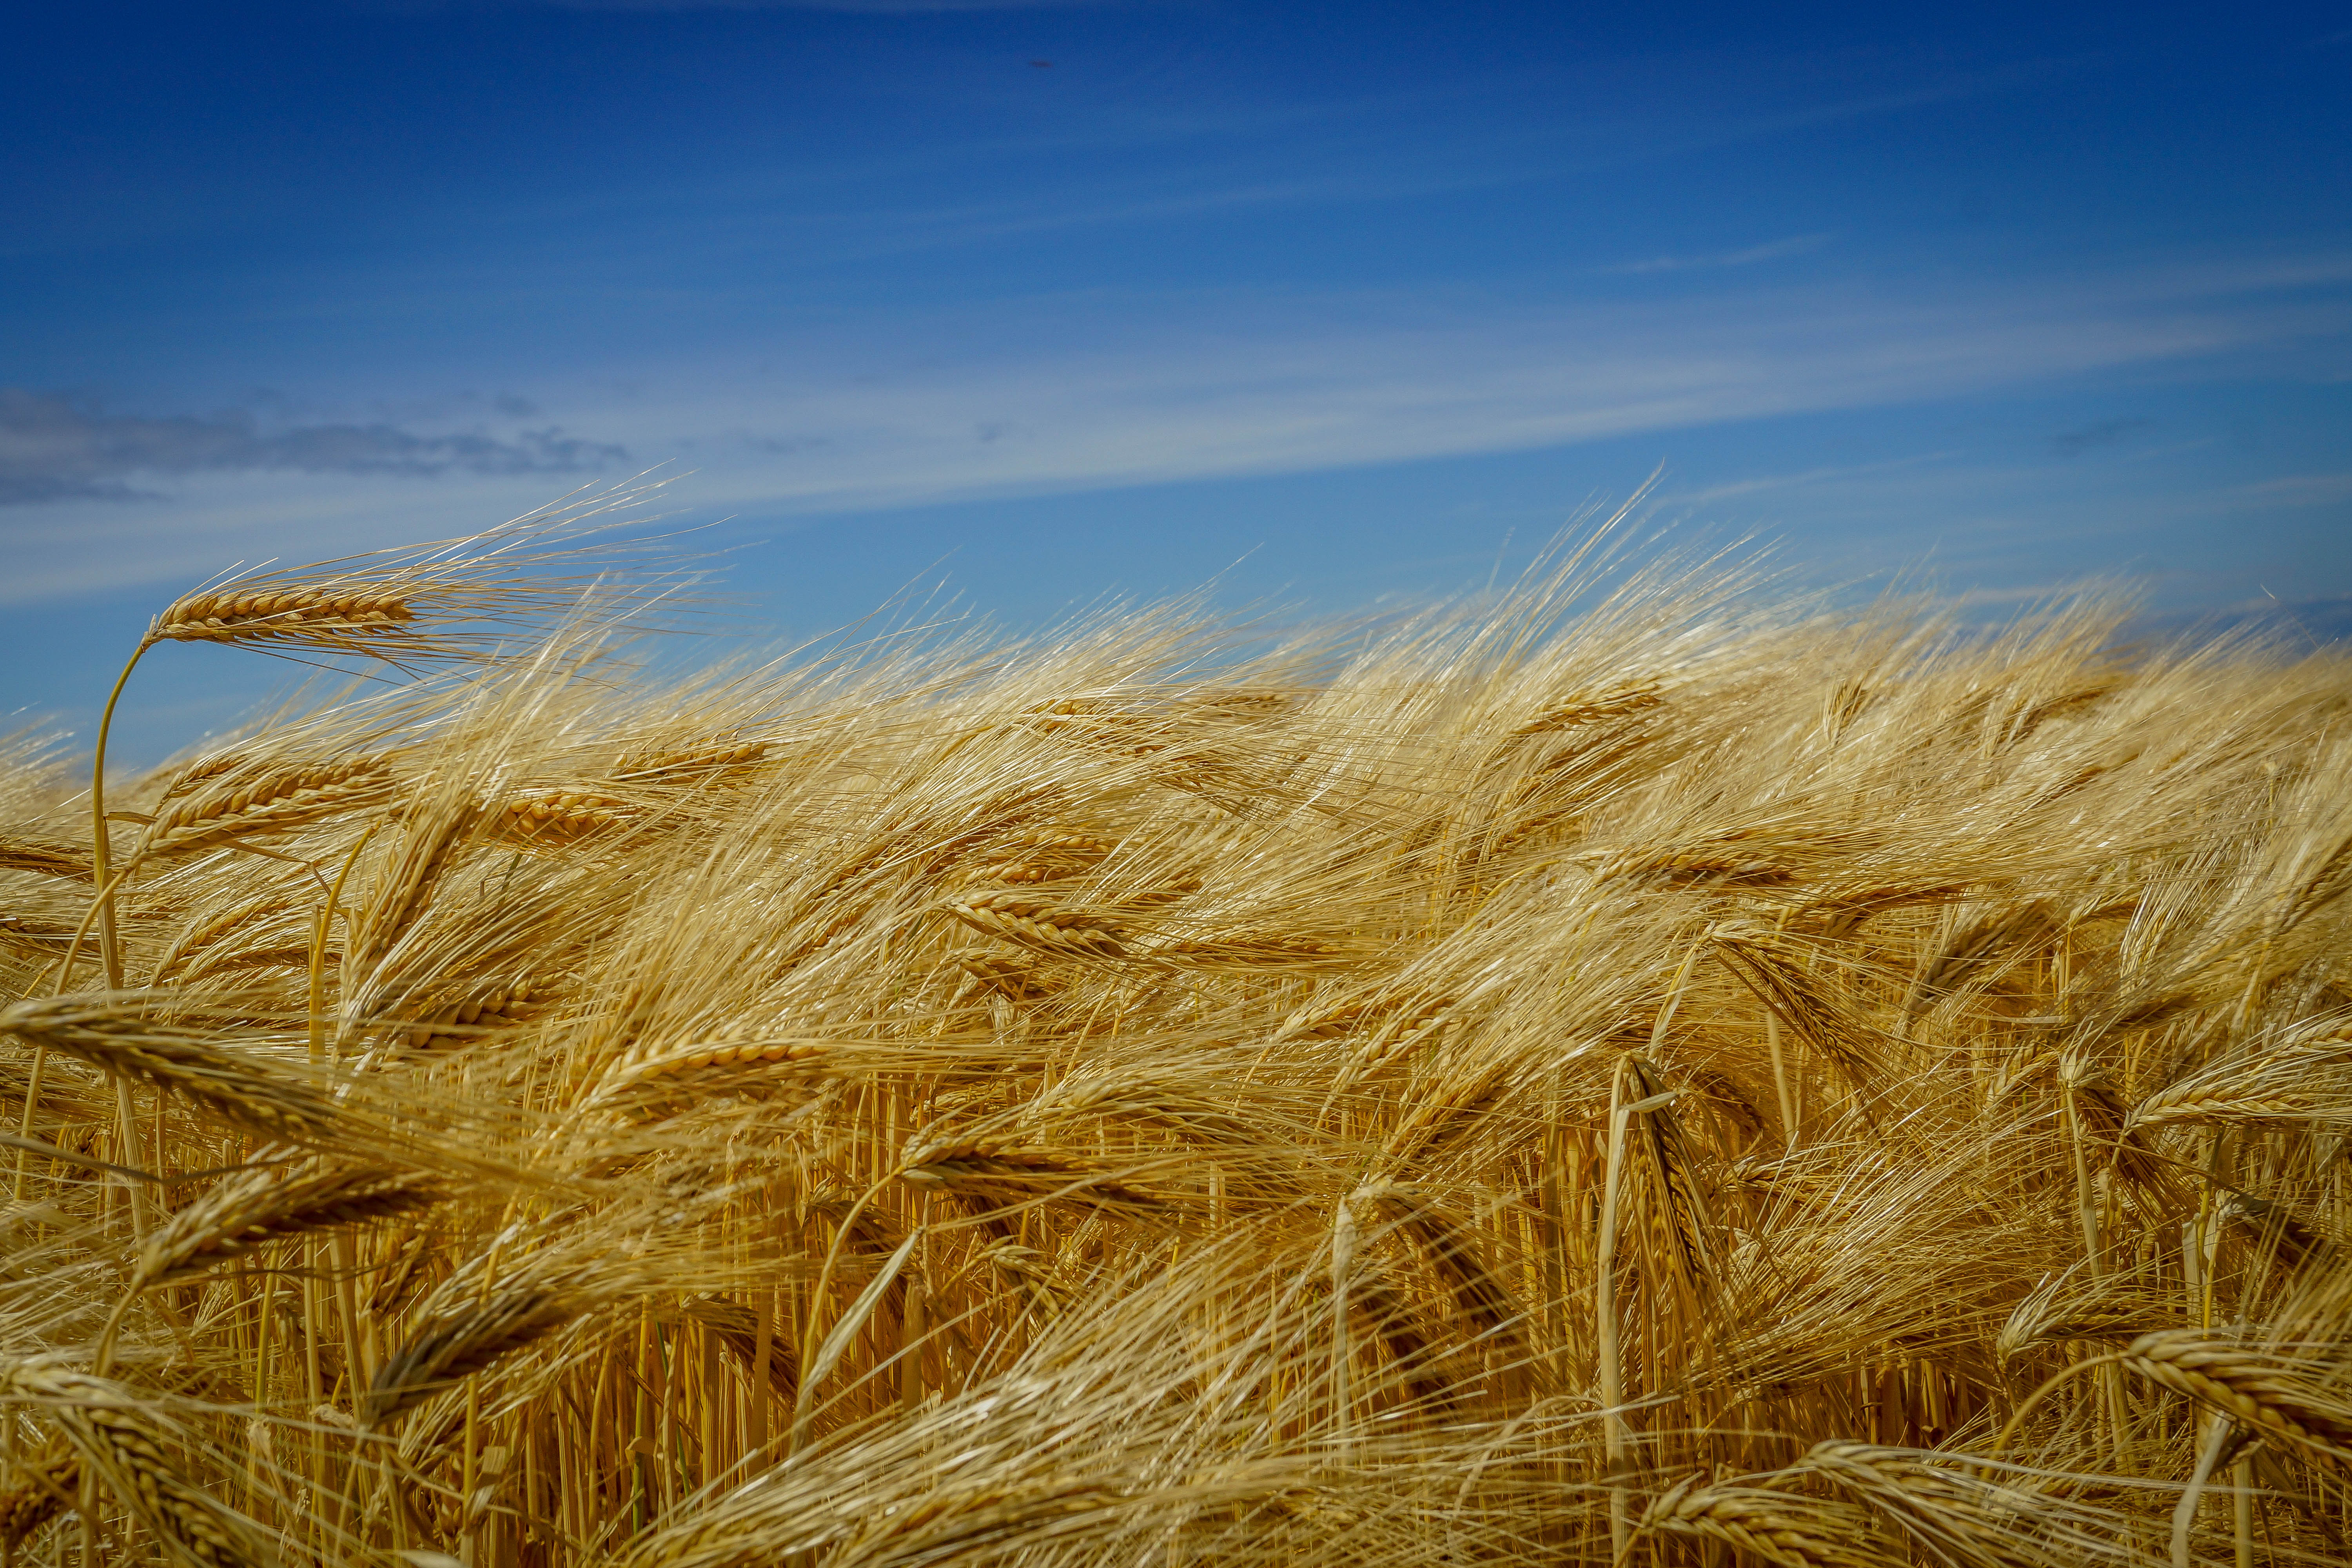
(1335, 303)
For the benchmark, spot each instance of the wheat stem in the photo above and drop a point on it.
(2025, 1407)
(101, 846)
(318, 945)
(1604, 1311)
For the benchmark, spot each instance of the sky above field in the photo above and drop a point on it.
(1333, 304)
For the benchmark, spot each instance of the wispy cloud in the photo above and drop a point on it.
(2300, 489)
(1732, 489)
(2085, 439)
(1186, 155)
(56, 446)
(1102, 391)
(1796, 245)
(1097, 392)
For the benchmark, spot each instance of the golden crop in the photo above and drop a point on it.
(1617, 1071)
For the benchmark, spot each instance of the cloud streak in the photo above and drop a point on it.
(1796, 245)
(2090, 437)
(56, 446)
(1082, 395)
(1099, 392)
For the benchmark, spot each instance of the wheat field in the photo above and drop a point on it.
(1626, 1069)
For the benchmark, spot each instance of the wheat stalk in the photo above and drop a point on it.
(1137, 1093)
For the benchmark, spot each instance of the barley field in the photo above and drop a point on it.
(1625, 1069)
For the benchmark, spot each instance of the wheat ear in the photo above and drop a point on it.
(309, 616)
(691, 762)
(736, 1327)
(180, 1512)
(714, 1068)
(1026, 1173)
(501, 1006)
(259, 1207)
(471, 1339)
(434, 839)
(27, 931)
(42, 859)
(1243, 950)
(1761, 963)
(1951, 1514)
(563, 817)
(119, 1444)
(1972, 948)
(1009, 978)
(1688, 1222)
(270, 1206)
(1034, 922)
(2220, 1102)
(103, 1031)
(1478, 1294)
(277, 803)
(2246, 1385)
(43, 1487)
(1594, 710)
(202, 933)
(1044, 859)
(1787, 1532)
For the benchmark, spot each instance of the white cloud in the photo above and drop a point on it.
(1100, 392)
(58, 447)
(1796, 245)
(2299, 490)
(1732, 489)
(1222, 387)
